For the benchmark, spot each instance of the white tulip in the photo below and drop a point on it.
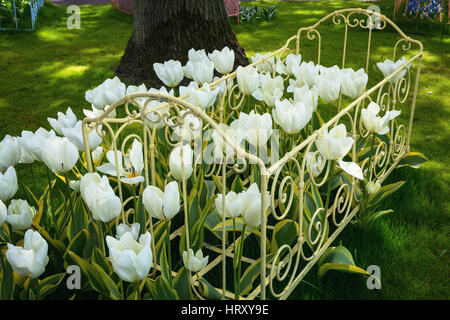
(134, 165)
(107, 93)
(292, 64)
(233, 204)
(201, 71)
(123, 228)
(95, 113)
(155, 119)
(328, 83)
(10, 152)
(223, 60)
(8, 184)
(221, 146)
(131, 259)
(354, 82)
(307, 73)
(97, 154)
(335, 145)
(25, 156)
(33, 142)
(291, 117)
(170, 73)
(270, 90)
(374, 123)
(247, 79)
(197, 55)
(59, 154)
(138, 89)
(20, 214)
(75, 135)
(196, 262)
(251, 205)
(162, 205)
(67, 120)
(3, 212)
(202, 98)
(191, 128)
(99, 197)
(307, 96)
(314, 164)
(257, 128)
(388, 66)
(75, 185)
(31, 260)
(177, 161)
(373, 187)
(267, 65)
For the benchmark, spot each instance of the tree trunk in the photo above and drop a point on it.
(165, 30)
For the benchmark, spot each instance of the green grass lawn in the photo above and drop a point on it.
(50, 69)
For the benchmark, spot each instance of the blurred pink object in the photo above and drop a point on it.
(232, 7)
(123, 5)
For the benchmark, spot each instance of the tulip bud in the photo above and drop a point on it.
(59, 154)
(170, 73)
(31, 260)
(8, 184)
(162, 205)
(107, 93)
(130, 259)
(177, 161)
(223, 60)
(10, 152)
(251, 205)
(373, 187)
(196, 262)
(99, 197)
(248, 79)
(20, 214)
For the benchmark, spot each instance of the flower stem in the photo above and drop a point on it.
(240, 262)
(169, 255)
(330, 183)
(234, 269)
(70, 196)
(370, 155)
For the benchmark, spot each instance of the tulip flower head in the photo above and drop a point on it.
(257, 128)
(373, 122)
(10, 152)
(75, 135)
(131, 259)
(8, 184)
(3, 212)
(247, 79)
(20, 214)
(354, 82)
(134, 164)
(388, 66)
(99, 197)
(31, 259)
(196, 262)
(123, 228)
(162, 205)
(233, 204)
(107, 93)
(373, 187)
(33, 142)
(251, 205)
(169, 72)
(67, 120)
(59, 154)
(335, 145)
(266, 66)
(270, 90)
(223, 60)
(181, 159)
(292, 117)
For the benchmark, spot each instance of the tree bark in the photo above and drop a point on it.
(167, 29)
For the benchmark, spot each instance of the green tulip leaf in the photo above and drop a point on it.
(6, 280)
(207, 290)
(252, 273)
(181, 284)
(284, 232)
(413, 160)
(78, 243)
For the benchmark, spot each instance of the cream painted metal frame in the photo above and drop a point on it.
(291, 262)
